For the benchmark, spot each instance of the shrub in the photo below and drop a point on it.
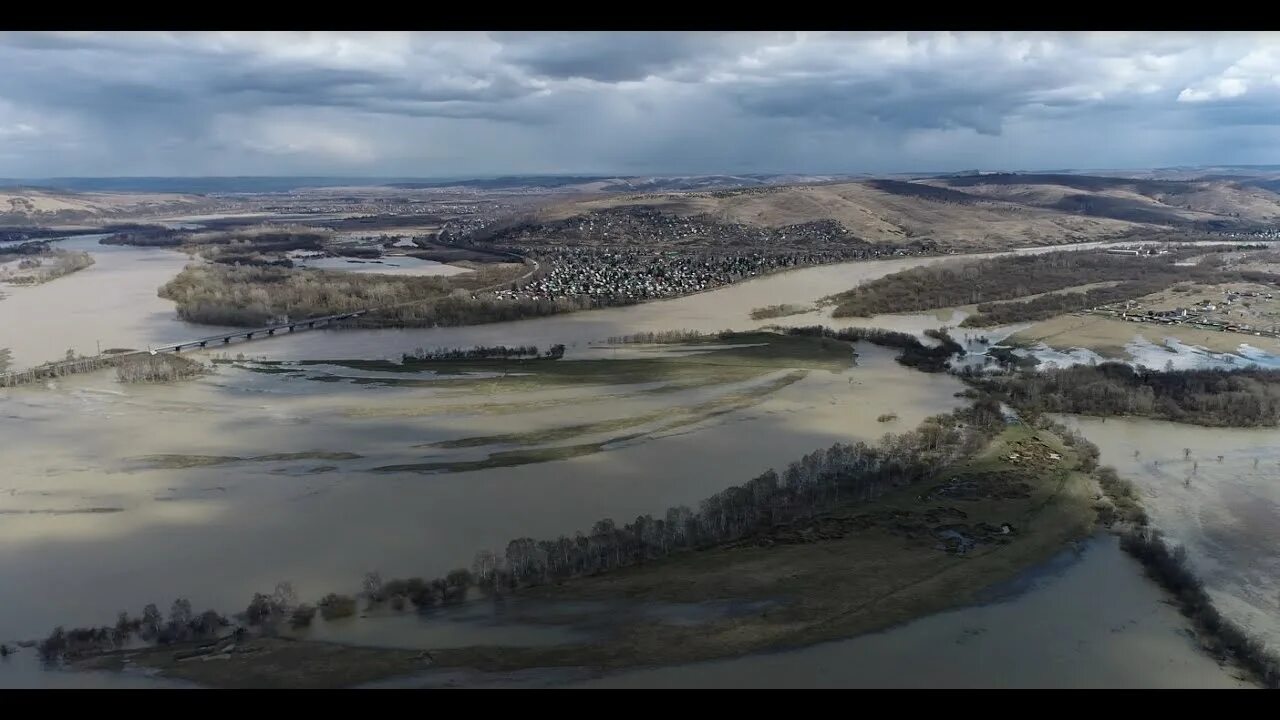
(302, 616)
(334, 606)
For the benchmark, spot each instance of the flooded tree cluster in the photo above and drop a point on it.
(183, 625)
(496, 352)
(33, 263)
(162, 367)
(914, 353)
(1223, 638)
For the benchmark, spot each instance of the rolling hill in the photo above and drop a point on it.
(21, 207)
(968, 212)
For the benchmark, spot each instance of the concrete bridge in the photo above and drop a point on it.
(261, 332)
(89, 363)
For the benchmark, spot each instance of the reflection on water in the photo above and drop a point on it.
(1091, 622)
(24, 670)
(217, 533)
(1225, 512)
(518, 622)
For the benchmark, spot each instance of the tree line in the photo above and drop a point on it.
(252, 296)
(1245, 397)
(497, 352)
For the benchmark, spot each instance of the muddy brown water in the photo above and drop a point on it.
(87, 529)
(1090, 621)
(1225, 513)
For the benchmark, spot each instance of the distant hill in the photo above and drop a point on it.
(970, 211)
(1202, 204)
(20, 207)
(604, 183)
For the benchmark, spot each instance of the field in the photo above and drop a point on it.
(1108, 337)
(860, 568)
(22, 207)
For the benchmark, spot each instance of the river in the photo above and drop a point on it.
(90, 526)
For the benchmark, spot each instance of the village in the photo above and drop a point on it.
(621, 275)
(1250, 310)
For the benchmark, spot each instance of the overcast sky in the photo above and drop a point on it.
(449, 104)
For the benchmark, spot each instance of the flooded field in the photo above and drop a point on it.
(322, 468)
(1088, 620)
(1226, 511)
(121, 495)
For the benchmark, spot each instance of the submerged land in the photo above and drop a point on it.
(859, 567)
(470, 435)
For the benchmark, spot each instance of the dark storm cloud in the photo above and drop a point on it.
(456, 103)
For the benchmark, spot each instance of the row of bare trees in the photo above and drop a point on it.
(816, 483)
(480, 352)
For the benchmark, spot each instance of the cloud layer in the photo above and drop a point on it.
(448, 104)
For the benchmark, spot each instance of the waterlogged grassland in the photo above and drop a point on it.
(750, 355)
(176, 462)
(674, 419)
(858, 569)
(391, 410)
(677, 417)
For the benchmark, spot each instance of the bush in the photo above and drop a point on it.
(302, 616)
(334, 606)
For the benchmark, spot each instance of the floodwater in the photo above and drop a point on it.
(112, 303)
(102, 509)
(91, 522)
(1091, 621)
(24, 670)
(1226, 513)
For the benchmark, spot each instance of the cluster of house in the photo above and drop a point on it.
(622, 275)
(1197, 314)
